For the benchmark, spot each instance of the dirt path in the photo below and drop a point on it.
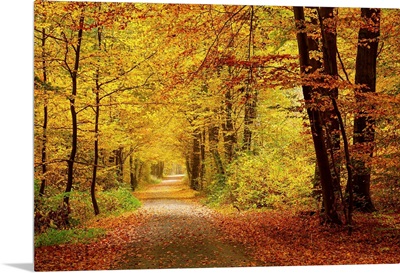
(180, 233)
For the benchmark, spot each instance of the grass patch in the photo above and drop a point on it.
(68, 236)
(117, 201)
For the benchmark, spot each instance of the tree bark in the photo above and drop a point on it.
(196, 160)
(96, 151)
(316, 123)
(202, 157)
(96, 134)
(250, 114)
(45, 117)
(229, 134)
(329, 49)
(213, 139)
(364, 132)
(188, 167)
(250, 107)
(119, 164)
(329, 41)
(74, 78)
(133, 166)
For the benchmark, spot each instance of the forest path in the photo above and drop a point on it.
(179, 232)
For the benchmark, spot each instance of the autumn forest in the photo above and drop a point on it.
(189, 135)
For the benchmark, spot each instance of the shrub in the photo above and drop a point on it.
(267, 180)
(50, 212)
(118, 201)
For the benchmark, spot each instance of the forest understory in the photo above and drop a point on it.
(174, 229)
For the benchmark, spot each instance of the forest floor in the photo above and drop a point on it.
(174, 230)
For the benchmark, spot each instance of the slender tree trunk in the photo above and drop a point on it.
(157, 169)
(229, 134)
(213, 139)
(188, 167)
(364, 132)
(119, 163)
(316, 123)
(202, 157)
(96, 134)
(329, 41)
(196, 160)
(96, 151)
(250, 113)
(250, 107)
(45, 117)
(133, 166)
(74, 77)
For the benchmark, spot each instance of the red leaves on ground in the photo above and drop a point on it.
(285, 239)
(100, 255)
(173, 230)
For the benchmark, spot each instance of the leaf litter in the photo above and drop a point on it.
(174, 230)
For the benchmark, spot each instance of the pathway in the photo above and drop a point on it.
(180, 233)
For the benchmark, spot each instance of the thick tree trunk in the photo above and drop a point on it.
(74, 77)
(329, 49)
(316, 123)
(364, 133)
(329, 41)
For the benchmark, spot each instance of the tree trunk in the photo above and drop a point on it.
(196, 160)
(249, 117)
(229, 134)
(203, 157)
(119, 163)
(96, 150)
(250, 96)
(329, 41)
(329, 49)
(133, 171)
(188, 167)
(316, 123)
(364, 133)
(74, 77)
(96, 135)
(45, 117)
(213, 139)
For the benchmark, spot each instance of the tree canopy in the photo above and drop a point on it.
(260, 106)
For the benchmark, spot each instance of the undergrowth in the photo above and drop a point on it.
(50, 213)
(263, 181)
(57, 237)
